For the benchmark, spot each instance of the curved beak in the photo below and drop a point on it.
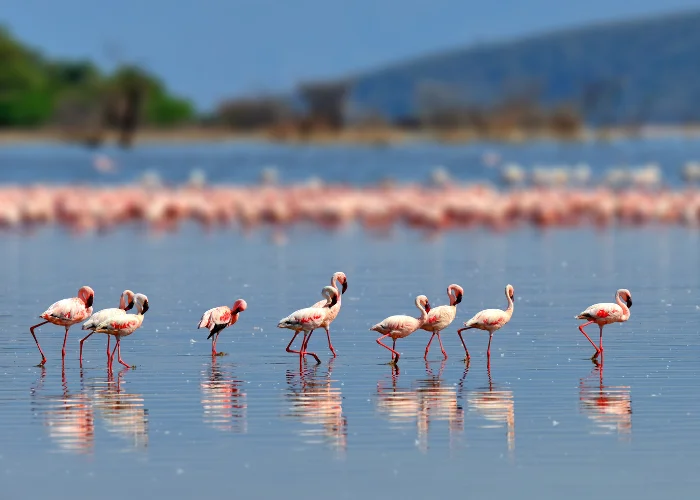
(427, 307)
(458, 298)
(345, 286)
(89, 301)
(130, 306)
(334, 301)
(629, 301)
(145, 307)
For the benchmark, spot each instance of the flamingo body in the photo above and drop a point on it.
(441, 317)
(218, 318)
(126, 302)
(605, 313)
(338, 277)
(401, 326)
(489, 320)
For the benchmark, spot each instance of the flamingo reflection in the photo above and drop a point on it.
(609, 407)
(495, 405)
(223, 399)
(69, 417)
(426, 401)
(319, 405)
(123, 413)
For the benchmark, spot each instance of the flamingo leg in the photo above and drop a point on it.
(488, 349)
(459, 332)
(441, 348)
(289, 346)
(305, 345)
(109, 337)
(601, 339)
(393, 360)
(81, 345)
(119, 353)
(65, 339)
(427, 348)
(31, 329)
(111, 357)
(213, 344)
(330, 346)
(597, 351)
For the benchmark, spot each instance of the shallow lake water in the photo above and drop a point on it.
(543, 420)
(540, 421)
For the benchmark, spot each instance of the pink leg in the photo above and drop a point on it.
(81, 345)
(441, 348)
(597, 351)
(111, 357)
(109, 337)
(488, 349)
(393, 360)
(427, 348)
(31, 329)
(459, 332)
(330, 346)
(601, 339)
(119, 353)
(65, 339)
(213, 344)
(305, 345)
(289, 346)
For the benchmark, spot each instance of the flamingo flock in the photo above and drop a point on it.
(377, 208)
(117, 322)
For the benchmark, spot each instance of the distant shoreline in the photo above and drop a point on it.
(349, 136)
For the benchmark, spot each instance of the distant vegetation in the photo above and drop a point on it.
(77, 97)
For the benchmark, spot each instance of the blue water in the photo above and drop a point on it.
(542, 422)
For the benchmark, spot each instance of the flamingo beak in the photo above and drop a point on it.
(345, 286)
(427, 307)
(145, 307)
(130, 306)
(89, 301)
(629, 301)
(458, 298)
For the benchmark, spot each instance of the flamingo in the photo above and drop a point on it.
(120, 324)
(489, 320)
(308, 319)
(338, 277)
(606, 313)
(442, 316)
(218, 318)
(66, 313)
(401, 326)
(126, 302)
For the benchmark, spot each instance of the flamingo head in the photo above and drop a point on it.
(141, 303)
(127, 300)
(331, 295)
(239, 306)
(625, 295)
(422, 301)
(510, 292)
(342, 279)
(458, 293)
(87, 295)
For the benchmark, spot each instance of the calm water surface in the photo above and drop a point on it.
(542, 422)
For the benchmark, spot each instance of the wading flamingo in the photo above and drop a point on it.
(120, 324)
(126, 302)
(66, 313)
(218, 318)
(489, 320)
(401, 326)
(338, 277)
(308, 319)
(606, 313)
(441, 317)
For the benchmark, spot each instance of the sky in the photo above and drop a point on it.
(210, 50)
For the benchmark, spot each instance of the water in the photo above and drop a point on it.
(543, 421)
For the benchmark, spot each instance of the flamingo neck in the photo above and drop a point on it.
(623, 305)
(334, 284)
(423, 314)
(511, 305)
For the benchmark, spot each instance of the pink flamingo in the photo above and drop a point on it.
(66, 312)
(489, 320)
(218, 318)
(126, 302)
(338, 277)
(606, 313)
(401, 326)
(441, 317)
(308, 319)
(120, 324)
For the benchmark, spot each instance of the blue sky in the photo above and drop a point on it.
(212, 49)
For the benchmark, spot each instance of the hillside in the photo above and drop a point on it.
(645, 70)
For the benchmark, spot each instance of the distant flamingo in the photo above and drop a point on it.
(126, 302)
(120, 324)
(606, 313)
(489, 320)
(66, 312)
(401, 326)
(441, 317)
(218, 318)
(308, 319)
(338, 277)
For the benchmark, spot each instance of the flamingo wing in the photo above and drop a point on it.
(99, 317)
(488, 318)
(217, 316)
(69, 310)
(309, 318)
(119, 323)
(604, 311)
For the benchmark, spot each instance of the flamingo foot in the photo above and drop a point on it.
(221, 353)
